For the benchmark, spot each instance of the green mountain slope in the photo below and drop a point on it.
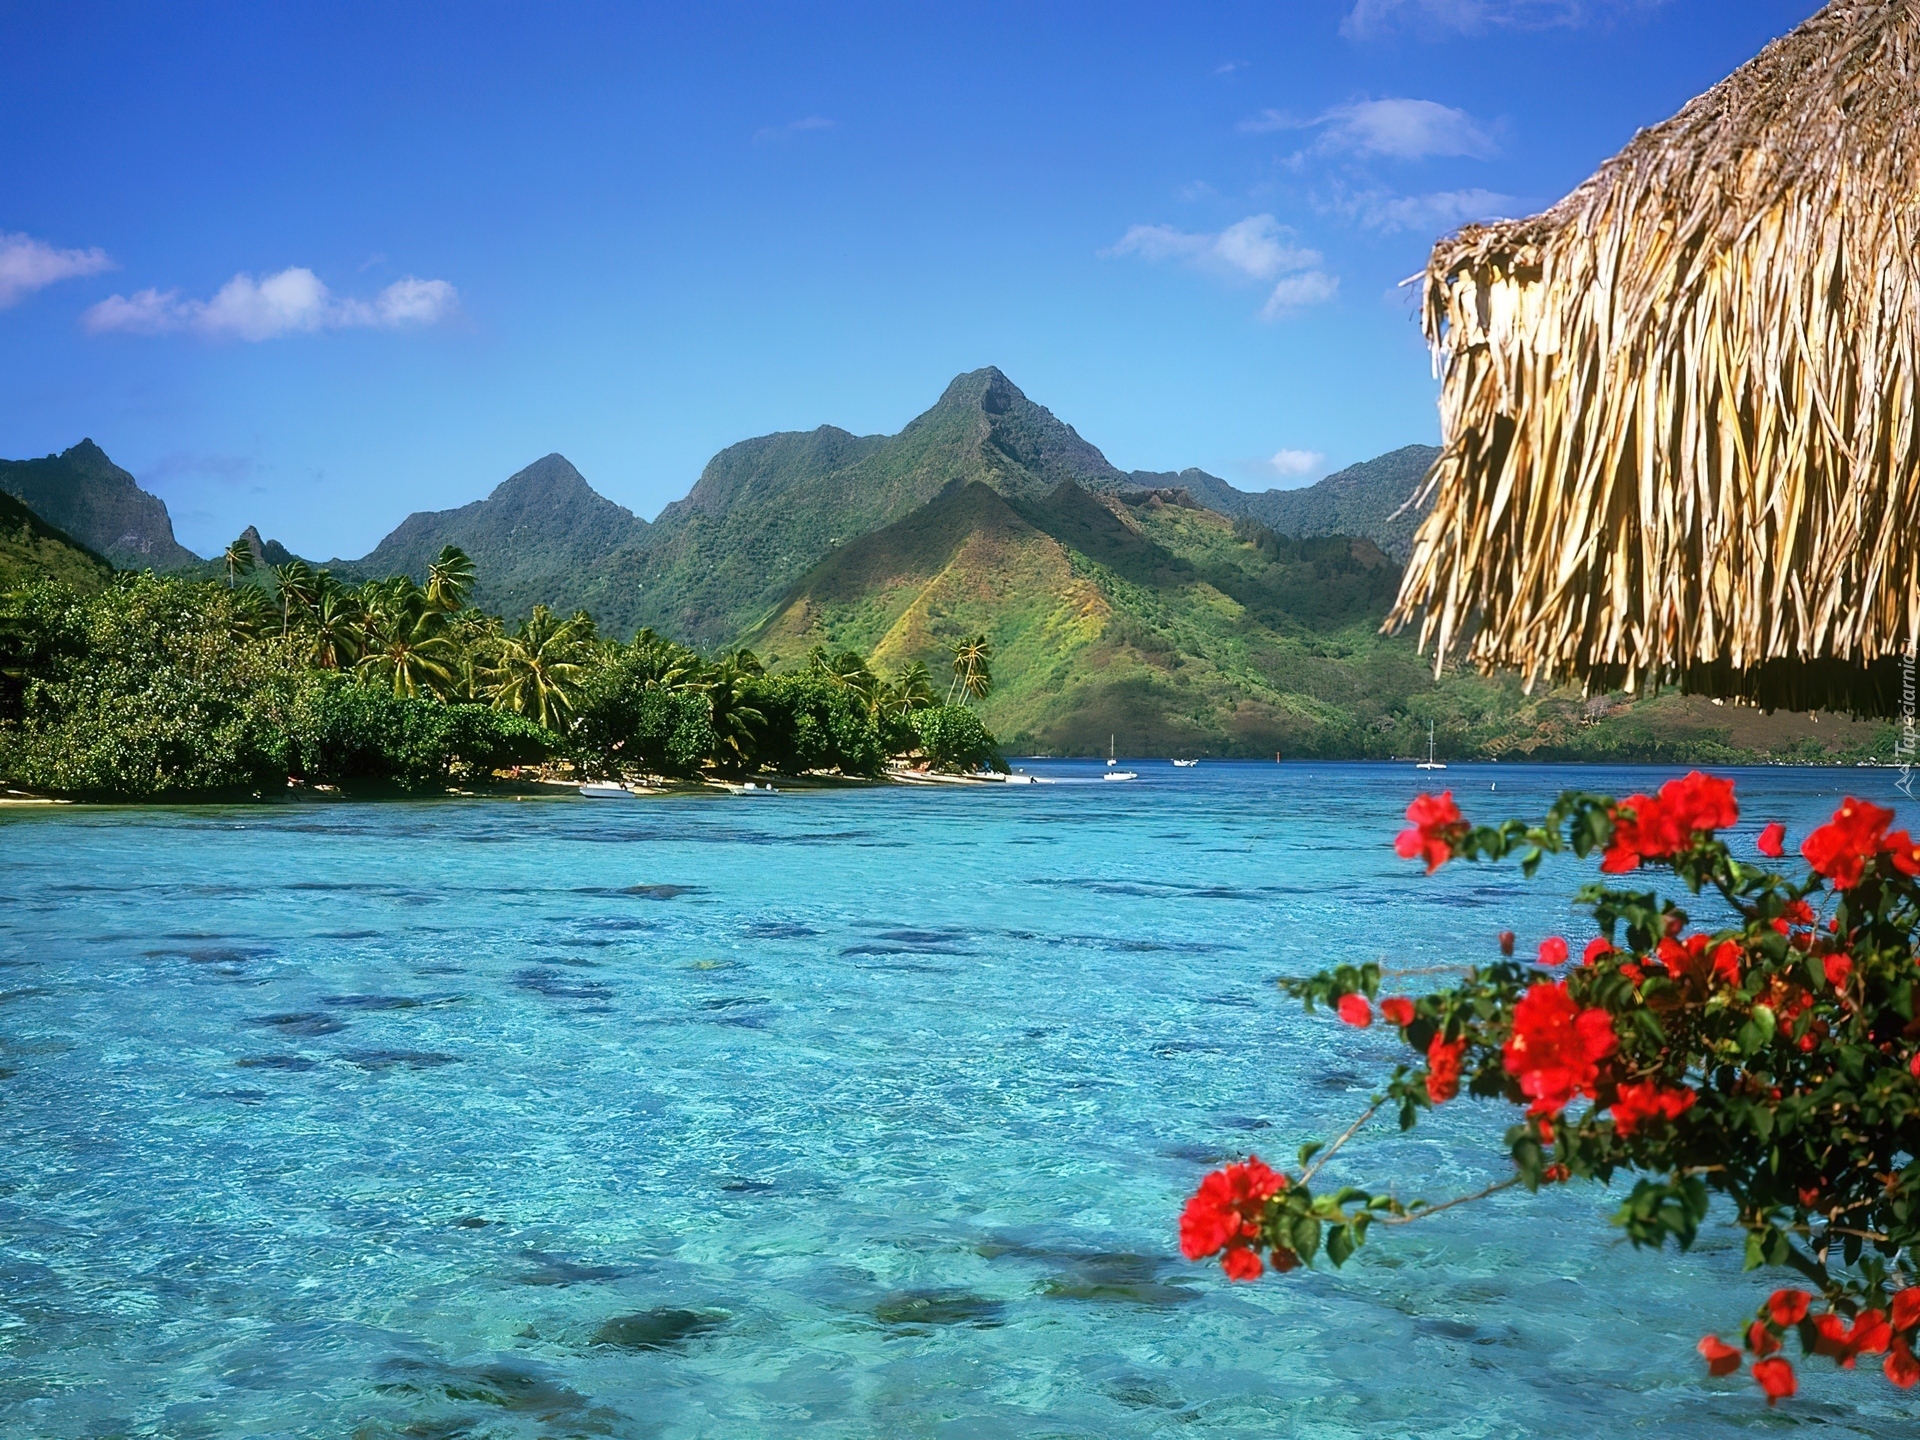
(1150, 618)
(31, 549)
(766, 510)
(83, 493)
(543, 537)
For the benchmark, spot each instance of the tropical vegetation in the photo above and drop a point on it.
(156, 687)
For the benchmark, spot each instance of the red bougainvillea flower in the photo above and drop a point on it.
(1646, 827)
(1726, 962)
(1648, 1101)
(1788, 1307)
(1775, 1376)
(1557, 1047)
(1841, 848)
(1443, 1069)
(1904, 854)
(1398, 1009)
(1760, 1339)
(1838, 968)
(1355, 1011)
(1553, 951)
(1900, 1366)
(1773, 841)
(1721, 1358)
(1596, 947)
(1225, 1211)
(1906, 1308)
(1436, 824)
(1241, 1262)
(1699, 802)
(1868, 1335)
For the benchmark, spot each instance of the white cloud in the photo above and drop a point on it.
(1370, 19)
(1197, 190)
(1256, 249)
(1433, 214)
(1397, 129)
(780, 134)
(1289, 464)
(27, 265)
(293, 301)
(1309, 288)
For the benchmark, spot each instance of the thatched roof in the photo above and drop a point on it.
(1682, 442)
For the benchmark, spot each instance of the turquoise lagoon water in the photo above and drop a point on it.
(862, 1113)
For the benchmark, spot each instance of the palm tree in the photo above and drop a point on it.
(734, 720)
(846, 670)
(914, 686)
(537, 671)
(239, 560)
(407, 645)
(450, 578)
(336, 630)
(298, 587)
(972, 677)
(664, 665)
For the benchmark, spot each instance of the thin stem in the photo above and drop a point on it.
(1328, 1153)
(1414, 1215)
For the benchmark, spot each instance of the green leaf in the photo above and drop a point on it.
(1339, 1245)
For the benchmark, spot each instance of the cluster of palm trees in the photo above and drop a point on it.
(428, 640)
(421, 639)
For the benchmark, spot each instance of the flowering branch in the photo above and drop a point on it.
(1775, 1061)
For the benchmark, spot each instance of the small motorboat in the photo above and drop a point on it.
(606, 790)
(1120, 775)
(1186, 764)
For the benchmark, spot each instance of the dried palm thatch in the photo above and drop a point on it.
(1682, 442)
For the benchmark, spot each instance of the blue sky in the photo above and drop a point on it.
(316, 267)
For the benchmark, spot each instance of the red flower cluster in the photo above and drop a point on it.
(1436, 825)
(1355, 1011)
(1398, 1009)
(1721, 1358)
(1693, 959)
(1648, 1101)
(1841, 848)
(1443, 1069)
(1553, 951)
(1557, 1047)
(1647, 827)
(1773, 841)
(1870, 1334)
(1224, 1216)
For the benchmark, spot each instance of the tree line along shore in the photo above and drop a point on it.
(169, 688)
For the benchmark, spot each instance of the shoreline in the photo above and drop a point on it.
(532, 788)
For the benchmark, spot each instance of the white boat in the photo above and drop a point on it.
(1120, 775)
(1430, 763)
(606, 790)
(1186, 764)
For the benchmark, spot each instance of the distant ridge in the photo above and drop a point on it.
(766, 510)
(1360, 500)
(540, 538)
(83, 493)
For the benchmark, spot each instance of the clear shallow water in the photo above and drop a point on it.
(864, 1113)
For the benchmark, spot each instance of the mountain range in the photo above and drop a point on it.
(1169, 609)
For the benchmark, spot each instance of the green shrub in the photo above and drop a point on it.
(141, 692)
(815, 724)
(626, 722)
(952, 737)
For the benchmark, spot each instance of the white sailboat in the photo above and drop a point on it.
(1113, 774)
(1430, 763)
